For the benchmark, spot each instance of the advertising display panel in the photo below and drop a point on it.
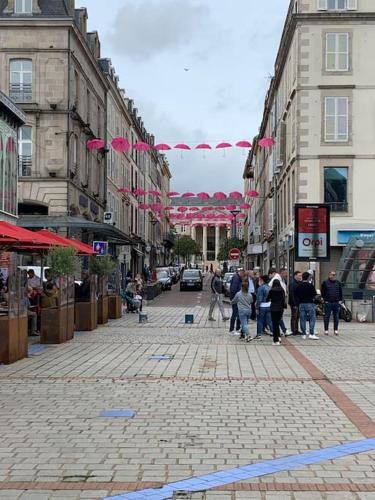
(312, 232)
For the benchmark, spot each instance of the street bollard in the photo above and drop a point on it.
(189, 319)
(143, 318)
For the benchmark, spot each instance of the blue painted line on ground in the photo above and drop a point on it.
(229, 476)
(161, 357)
(117, 413)
(35, 349)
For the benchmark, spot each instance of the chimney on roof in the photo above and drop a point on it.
(94, 43)
(80, 16)
(70, 6)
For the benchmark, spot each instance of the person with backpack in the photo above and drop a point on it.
(244, 300)
(235, 287)
(332, 296)
(264, 319)
(276, 297)
(216, 296)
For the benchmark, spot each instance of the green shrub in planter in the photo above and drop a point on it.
(63, 261)
(102, 266)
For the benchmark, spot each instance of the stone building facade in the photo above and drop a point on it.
(317, 111)
(49, 68)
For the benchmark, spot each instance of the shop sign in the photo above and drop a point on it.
(312, 232)
(100, 248)
(343, 237)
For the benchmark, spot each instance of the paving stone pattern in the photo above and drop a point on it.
(216, 404)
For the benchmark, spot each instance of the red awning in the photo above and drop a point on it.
(82, 248)
(18, 236)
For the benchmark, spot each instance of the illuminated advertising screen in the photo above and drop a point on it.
(312, 232)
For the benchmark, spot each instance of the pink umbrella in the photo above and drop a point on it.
(220, 196)
(172, 193)
(206, 209)
(241, 216)
(252, 194)
(139, 192)
(203, 196)
(120, 144)
(182, 209)
(141, 146)
(203, 146)
(245, 206)
(188, 195)
(194, 209)
(220, 207)
(162, 147)
(154, 193)
(236, 195)
(95, 144)
(144, 206)
(156, 207)
(243, 144)
(182, 146)
(231, 207)
(224, 145)
(168, 209)
(124, 190)
(267, 142)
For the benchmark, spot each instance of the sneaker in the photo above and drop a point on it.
(258, 337)
(288, 333)
(303, 337)
(226, 318)
(336, 332)
(231, 332)
(249, 338)
(237, 333)
(211, 319)
(276, 343)
(314, 337)
(326, 333)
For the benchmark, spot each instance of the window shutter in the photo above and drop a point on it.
(322, 5)
(352, 4)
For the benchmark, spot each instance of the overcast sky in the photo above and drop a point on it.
(228, 48)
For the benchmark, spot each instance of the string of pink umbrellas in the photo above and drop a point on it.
(122, 145)
(235, 195)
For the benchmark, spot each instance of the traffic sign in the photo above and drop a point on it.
(100, 247)
(234, 254)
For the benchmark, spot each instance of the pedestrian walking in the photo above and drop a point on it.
(276, 296)
(216, 296)
(235, 287)
(294, 320)
(264, 319)
(251, 280)
(244, 300)
(282, 278)
(305, 294)
(332, 296)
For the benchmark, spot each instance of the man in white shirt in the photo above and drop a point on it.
(32, 280)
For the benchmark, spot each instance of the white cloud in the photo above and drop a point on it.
(145, 28)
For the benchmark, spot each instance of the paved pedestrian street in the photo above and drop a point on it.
(203, 401)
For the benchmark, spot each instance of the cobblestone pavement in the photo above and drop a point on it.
(213, 404)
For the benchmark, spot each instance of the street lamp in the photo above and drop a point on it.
(234, 221)
(153, 221)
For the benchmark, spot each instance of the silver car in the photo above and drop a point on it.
(226, 283)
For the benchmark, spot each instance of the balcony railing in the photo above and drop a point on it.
(21, 92)
(338, 206)
(24, 166)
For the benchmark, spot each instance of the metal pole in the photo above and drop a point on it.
(276, 223)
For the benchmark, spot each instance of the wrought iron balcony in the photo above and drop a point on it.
(21, 92)
(24, 166)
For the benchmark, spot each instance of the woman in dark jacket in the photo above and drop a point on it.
(277, 298)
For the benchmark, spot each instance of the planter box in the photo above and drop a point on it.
(86, 316)
(153, 290)
(13, 339)
(54, 325)
(114, 307)
(102, 310)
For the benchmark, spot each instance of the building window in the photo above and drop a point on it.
(336, 188)
(21, 77)
(337, 51)
(23, 7)
(337, 4)
(336, 119)
(8, 169)
(25, 151)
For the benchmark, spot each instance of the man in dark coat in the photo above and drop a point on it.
(331, 291)
(294, 320)
(235, 287)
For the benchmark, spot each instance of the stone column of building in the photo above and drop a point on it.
(217, 241)
(194, 237)
(204, 244)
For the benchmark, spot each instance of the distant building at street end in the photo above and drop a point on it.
(317, 109)
(11, 119)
